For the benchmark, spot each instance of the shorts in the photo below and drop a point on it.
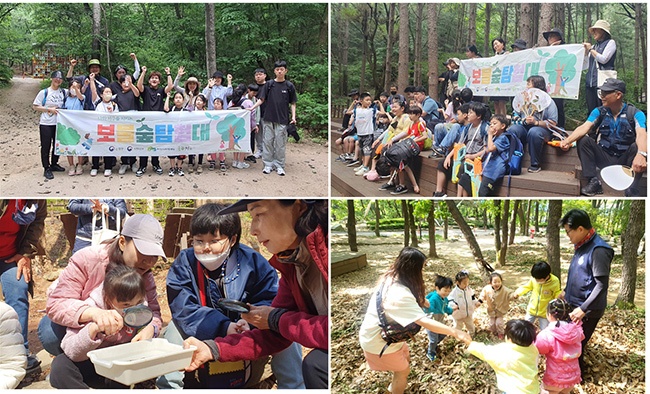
(447, 171)
(365, 144)
(396, 361)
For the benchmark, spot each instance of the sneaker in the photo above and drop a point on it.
(190, 169)
(354, 162)
(431, 357)
(436, 152)
(123, 169)
(258, 155)
(399, 190)
(251, 158)
(387, 186)
(32, 363)
(93, 172)
(48, 173)
(534, 169)
(280, 171)
(78, 169)
(199, 168)
(632, 192)
(439, 194)
(267, 170)
(134, 167)
(179, 172)
(212, 166)
(108, 172)
(243, 165)
(71, 171)
(140, 171)
(361, 170)
(158, 170)
(340, 158)
(593, 187)
(222, 166)
(172, 171)
(57, 168)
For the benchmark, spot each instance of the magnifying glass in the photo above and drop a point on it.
(233, 305)
(137, 316)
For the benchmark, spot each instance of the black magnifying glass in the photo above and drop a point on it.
(233, 305)
(137, 316)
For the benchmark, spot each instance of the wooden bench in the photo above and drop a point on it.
(345, 262)
(560, 176)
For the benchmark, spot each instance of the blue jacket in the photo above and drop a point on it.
(581, 281)
(437, 304)
(256, 282)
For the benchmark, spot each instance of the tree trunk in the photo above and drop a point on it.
(630, 238)
(486, 30)
(414, 235)
(377, 217)
(638, 25)
(445, 232)
(470, 238)
(504, 24)
(553, 236)
(521, 212)
(388, 78)
(344, 52)
(501, 255)
(352, 227)
(497, 226)
(527, 226)
(561, 18)
(432, 49)
(210, 42)
(526, 22)
(546, 14)
(471, 27)
(405, 215)
(97, 21)
(403, 61)
(364, 51)
(536, 217)
(513, 223)
(431, 220)
(417, 50)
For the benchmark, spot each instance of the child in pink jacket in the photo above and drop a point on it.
(561, 343)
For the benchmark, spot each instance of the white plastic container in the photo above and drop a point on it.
(135, 362)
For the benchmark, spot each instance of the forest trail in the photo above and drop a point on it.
(21, 174)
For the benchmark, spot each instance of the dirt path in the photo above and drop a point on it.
(21, 173)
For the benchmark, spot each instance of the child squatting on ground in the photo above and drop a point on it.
(544, 287)
(437, 305)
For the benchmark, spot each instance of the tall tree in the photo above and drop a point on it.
(504, 234)
(471, 28)
(377, 217)
(412, 225)
(553, 236)
(630, 238)
(546, 14)
(486, 29)
(431, 220)
(481, 265)
(344, 31)
(403, 60)
(365, 32)
(504, 22)
(210, 41)
(638, 26)
(497, 225)
(390, 34)
(432, 52)
(352, 227)
(513, 223)
(97, 20)
(526, 22)
(405, 215)
(417, 46)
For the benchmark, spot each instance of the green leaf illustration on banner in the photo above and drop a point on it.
(462, 80)
(232, 129)
(543, 54)
(67, 135)
(561, 68)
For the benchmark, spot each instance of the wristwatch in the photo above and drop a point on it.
(642, 153)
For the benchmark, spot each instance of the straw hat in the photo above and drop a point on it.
(600, 24)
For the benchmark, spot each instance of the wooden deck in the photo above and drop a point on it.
(560, 177)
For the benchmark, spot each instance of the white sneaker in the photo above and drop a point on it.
(267, 170)
(258, 155)
(134, 167)
(108, 172)
(361, 170)
(93, 172)
(243, 165)
(123, 169)
(280, 171)
(235, 164)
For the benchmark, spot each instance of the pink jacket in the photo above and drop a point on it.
(562, 347)
(85, 272)
(77, 343)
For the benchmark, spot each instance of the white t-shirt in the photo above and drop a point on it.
(364, 121)
(399, 305)
(103, 107)
(54, 99)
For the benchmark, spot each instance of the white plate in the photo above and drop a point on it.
(617, 177)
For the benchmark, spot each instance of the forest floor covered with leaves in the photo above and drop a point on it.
(615, 354)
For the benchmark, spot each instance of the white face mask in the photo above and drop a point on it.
(107, 97)
(73, 92)
(212, 261)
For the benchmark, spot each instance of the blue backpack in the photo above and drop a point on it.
(515, 153)
(62, 91)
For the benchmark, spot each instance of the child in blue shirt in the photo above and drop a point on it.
(498, 146)
(438, 307)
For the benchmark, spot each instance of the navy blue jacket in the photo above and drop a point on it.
(583, 270)
(255, 283)
(83, 208)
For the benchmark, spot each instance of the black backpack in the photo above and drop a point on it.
(62, 91)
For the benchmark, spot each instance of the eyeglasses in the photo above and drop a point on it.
(569, 230)
(198, 244)
(602, 93)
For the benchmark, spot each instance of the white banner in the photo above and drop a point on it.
(505, 75)
(150, 133)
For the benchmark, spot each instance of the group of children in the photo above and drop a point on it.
(515, 360)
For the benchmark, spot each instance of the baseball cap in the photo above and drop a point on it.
(612, 84)
(56, 74)
(217, 74)
(147, 234)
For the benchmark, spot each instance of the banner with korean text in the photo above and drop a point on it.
(149, 133)
(505, 75)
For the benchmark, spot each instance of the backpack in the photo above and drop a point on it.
(514, 154)
(62, 91)
(401, 153)
(290, 88)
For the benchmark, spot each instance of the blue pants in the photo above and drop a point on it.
(16, 294)
(51, 334)
(445, 134)
(536, 137)
(434, 340)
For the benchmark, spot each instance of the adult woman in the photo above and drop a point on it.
(499, 46)
(219, 266)
(138, 246)
(535, 128)
(48, 101)
(294, 231)
(600, 56)
(85, 209)
(403, 296)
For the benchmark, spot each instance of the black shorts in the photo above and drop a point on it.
(365, 144)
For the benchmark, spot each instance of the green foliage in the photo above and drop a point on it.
(391, 224)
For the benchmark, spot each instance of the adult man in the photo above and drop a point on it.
(555, 37)
(48, 101)
(519, 45)
(620, 138)
(394, 95)
(21, 226)
(94, 67)
(588, 276)
(280, 95)
(215, 89)
(429, 106)
(153, 99)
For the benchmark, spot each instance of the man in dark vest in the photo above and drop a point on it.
(588, 277)
(619, 137)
